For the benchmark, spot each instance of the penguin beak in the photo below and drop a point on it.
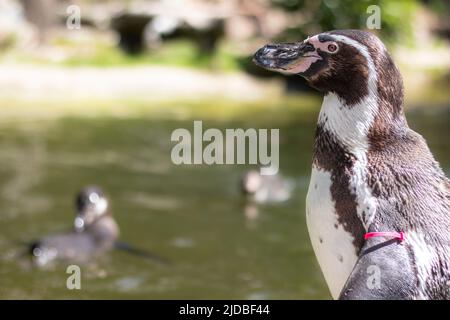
(284, 56)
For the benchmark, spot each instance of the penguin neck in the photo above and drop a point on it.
(369, 123)
(346, 137)
(104, 228)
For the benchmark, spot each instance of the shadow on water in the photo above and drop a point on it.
(192, 215)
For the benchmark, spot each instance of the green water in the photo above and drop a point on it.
(192, 215)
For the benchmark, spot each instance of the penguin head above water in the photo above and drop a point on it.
(251, 182)
(91, 205)
(264, 189)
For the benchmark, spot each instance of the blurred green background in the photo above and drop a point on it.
(97, 105)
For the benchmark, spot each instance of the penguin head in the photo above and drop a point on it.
(349, 63)
(91, 205)
(251, 182)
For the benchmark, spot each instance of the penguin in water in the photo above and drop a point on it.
(95, 232)
(265, 189)
(378, 204)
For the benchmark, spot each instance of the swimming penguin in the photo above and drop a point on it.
(378, 205)
(95, 231)
(265, 189)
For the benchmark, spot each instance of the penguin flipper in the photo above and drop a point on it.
(383, 272)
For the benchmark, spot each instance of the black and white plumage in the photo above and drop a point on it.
(370, 172)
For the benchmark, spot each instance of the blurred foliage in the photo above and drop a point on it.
(396, 16)
(440, 7)
(179, 53)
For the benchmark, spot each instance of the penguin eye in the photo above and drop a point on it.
(94, 197)
(332, 47)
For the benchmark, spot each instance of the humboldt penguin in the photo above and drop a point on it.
(260, 188)
(378, 205)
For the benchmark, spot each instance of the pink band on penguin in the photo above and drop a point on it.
(396, 235)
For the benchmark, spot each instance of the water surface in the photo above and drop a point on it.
(218, 245)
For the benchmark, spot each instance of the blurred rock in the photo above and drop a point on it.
(42, 14)
(130, 28)
(143, 25)
(14, 29)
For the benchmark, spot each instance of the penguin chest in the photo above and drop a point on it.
(332, 244)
